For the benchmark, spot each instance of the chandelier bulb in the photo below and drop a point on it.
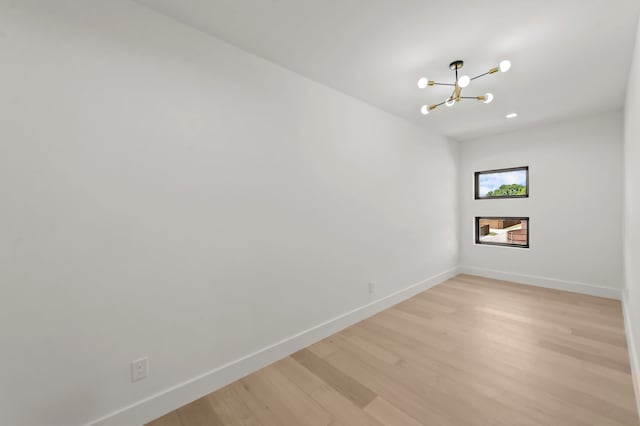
(450, 102)
(464, 81)
(505, 66)
(423, 82)
(425, 109)
(488, 98)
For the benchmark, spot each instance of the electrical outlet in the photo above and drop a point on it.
(139, 369)
(372, 288)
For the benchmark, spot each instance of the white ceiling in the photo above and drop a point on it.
(570, 57)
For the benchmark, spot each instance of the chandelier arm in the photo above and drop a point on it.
(443, 84)
(481, 75)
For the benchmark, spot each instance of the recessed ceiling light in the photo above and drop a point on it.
(511, 115)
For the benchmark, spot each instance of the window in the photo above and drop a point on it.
(502, 183)
(503, 231)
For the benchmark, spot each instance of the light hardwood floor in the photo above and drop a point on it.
(470, 351)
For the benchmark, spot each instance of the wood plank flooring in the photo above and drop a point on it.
(470, 351)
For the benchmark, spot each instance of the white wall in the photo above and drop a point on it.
(575, 175)
(167, 195)
(632, 214)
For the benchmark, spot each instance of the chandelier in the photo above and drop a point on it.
(460, 83)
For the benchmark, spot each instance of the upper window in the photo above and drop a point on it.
(502, 183)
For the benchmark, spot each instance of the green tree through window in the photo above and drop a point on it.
(508, 190)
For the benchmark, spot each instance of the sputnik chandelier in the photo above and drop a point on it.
(460, 83)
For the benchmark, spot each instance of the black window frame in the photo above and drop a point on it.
(484, 243)
(486, 172)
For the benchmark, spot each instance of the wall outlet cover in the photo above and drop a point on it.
(139, 369)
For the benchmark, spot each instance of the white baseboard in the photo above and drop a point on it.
(634, 355)
(556, 284)
(163, 402)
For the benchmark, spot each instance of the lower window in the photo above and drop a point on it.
(503, 231)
